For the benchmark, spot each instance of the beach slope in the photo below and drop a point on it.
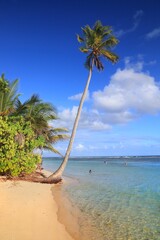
(28, 211)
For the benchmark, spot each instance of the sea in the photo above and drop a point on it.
(119, 199)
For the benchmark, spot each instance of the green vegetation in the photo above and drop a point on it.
(17, 144)
(39, 114)
(24, 128)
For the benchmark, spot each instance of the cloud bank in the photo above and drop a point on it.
(130, 94)
(129, 90)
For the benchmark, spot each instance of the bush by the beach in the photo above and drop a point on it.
(17, 145)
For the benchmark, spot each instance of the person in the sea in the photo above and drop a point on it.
(90, 171)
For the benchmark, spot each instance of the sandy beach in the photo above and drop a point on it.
(28, 211)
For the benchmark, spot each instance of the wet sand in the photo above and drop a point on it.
(77, 225)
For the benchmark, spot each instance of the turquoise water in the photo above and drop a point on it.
(119, 200)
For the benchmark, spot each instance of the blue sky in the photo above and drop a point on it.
(121, 115)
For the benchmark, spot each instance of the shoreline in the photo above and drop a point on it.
(69, 214)
(29, 211)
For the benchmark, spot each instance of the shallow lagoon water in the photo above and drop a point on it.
(120, 199)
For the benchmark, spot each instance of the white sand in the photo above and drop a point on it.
(29, 212)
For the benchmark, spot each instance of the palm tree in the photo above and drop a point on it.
(40, 114)
(37, 112)
(97, 43)
(8, 95)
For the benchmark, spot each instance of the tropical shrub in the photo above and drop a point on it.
(17, 145)
(39, 115)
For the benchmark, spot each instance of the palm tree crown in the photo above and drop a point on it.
(97, 43)
(37, 112)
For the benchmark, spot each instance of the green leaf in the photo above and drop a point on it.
(84, 50)
(79, 39)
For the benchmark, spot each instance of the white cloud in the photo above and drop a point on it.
(67, 116)
(130, 94)
(136, 21)
(78, 96)
(79, 147)
(137, 17)
(121, 117)
(129, 90)
(90, 119)
(139, 64)
(153, 34)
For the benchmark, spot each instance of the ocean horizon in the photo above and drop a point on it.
(118, 200)
(83, 158)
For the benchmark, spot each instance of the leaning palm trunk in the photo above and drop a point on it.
(56, 176)
(97, 42)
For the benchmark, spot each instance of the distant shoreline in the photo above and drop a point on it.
(84, 158)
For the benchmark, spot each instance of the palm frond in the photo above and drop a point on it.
(88, 61)
(110, 55)
(20, 108)
(110, 42)
(55, 130)
(79, 39)
(59, 137)
(84, 50)
(98, 64)
(87, 31)
(8, 97)
(34, 99)
(52, 149)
